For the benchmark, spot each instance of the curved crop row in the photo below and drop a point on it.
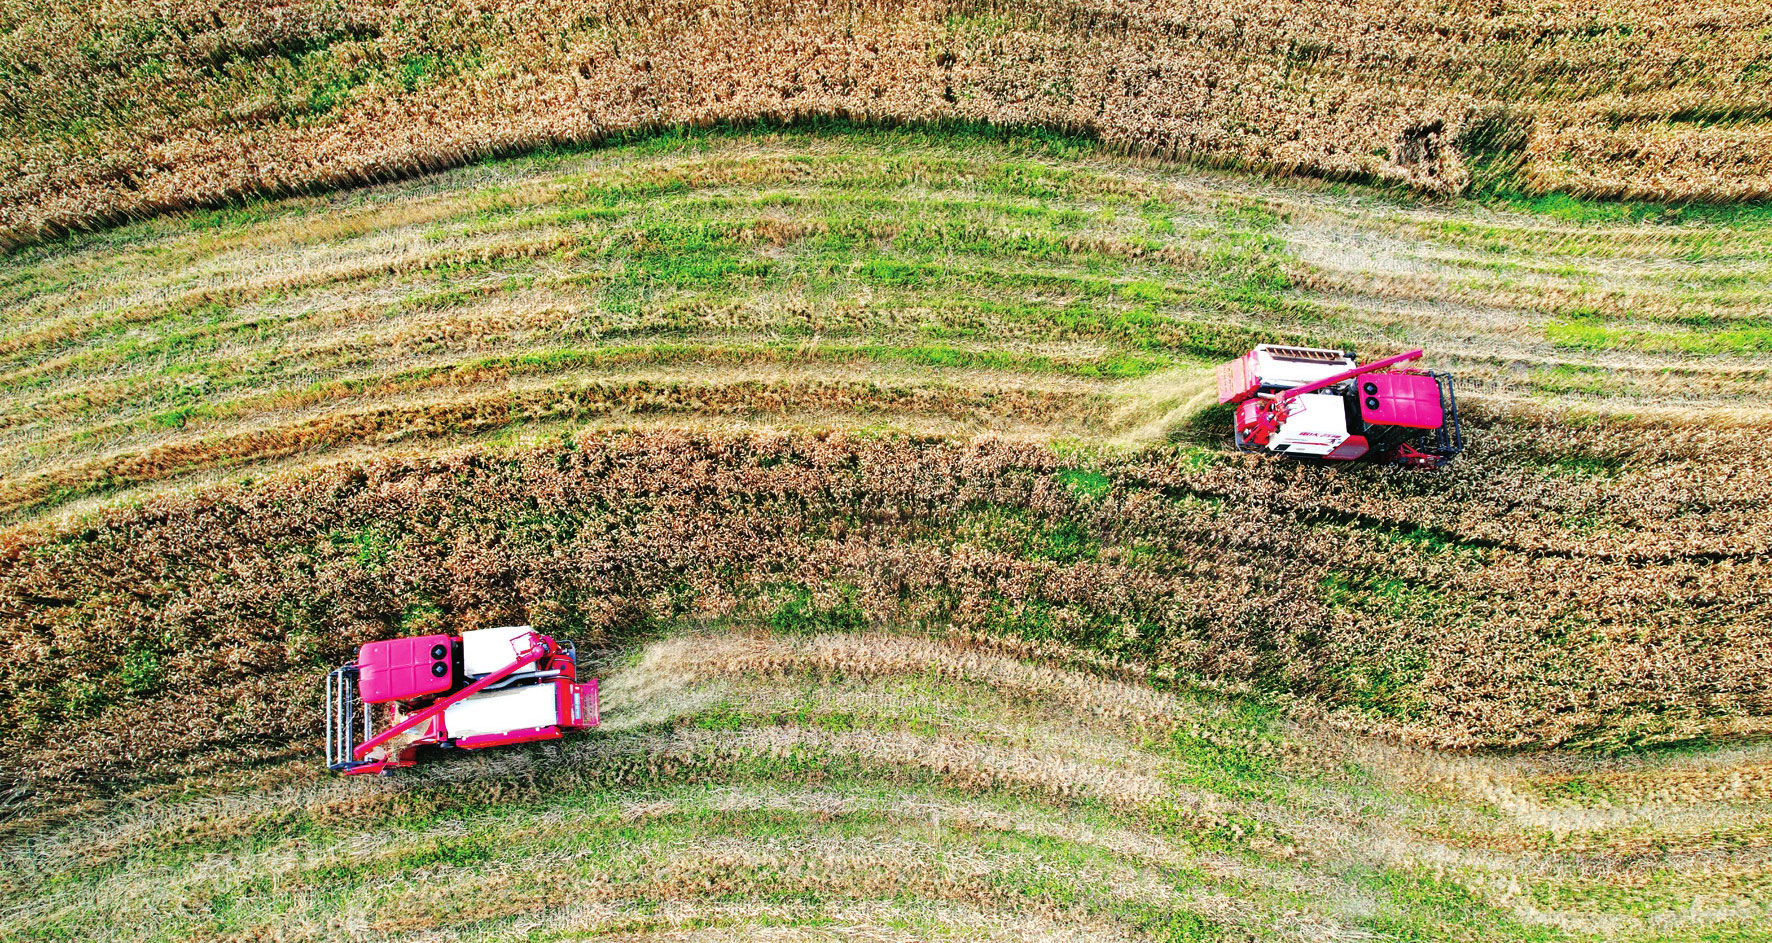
(144, 109)
(782, 768)
(1472, 632)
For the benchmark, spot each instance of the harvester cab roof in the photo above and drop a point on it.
(484, 688)
(1320, 404)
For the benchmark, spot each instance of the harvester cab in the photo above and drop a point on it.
(1321, 404)
(484, 688)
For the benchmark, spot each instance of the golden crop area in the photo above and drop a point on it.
(877, 473)
(120, 108)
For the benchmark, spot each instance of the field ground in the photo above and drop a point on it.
(144, 108)
(1025, 287)
(762, 785)
(878, 466)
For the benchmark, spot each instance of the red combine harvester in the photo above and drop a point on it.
(1306, 401)
(484, 688)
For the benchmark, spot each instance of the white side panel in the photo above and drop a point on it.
(1315, 424)
(484, 651)
(1288, 373)
(532, 705)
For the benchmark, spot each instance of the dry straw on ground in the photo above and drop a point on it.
(822, 279)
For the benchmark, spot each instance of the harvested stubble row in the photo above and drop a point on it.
(145, 108)
(1535, 608)
(934, 283)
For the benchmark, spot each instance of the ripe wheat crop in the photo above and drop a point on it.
(1500, 607)
(133, 108)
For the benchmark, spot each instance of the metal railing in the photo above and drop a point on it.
(343, 707)
(1306, 354)
(1451, 430)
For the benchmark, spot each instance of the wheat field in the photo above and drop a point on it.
(752, 785)
(962, 285)
(878, 469)
(128, 108)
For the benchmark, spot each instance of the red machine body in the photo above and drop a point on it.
(1321, 404)
(488, 687)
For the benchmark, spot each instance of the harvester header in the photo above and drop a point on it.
(1321, 404)
(484, 688)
